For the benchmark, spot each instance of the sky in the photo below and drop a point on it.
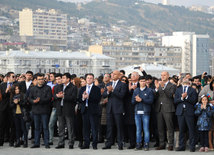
(186, 2)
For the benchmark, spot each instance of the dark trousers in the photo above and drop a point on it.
(20, 127)
(2, 126)
(184, 122)
(38, 119)
(116, 119)
(90, 123)
(165, 119)
(78, 126)
(131, 130)
(68, 121)
(204, 138)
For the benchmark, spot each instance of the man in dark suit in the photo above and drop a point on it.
(185, 99)
(115, 92)
(65, 96)
(6, 117)
(165, 110)
(89, 97)
(24, 85)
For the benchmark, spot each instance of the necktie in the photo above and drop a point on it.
(114, 84)
(185, 87)
(88, 92)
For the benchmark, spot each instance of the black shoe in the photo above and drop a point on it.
(120, 148)
(192, 150)
(71, 146)
(85, 147)
(106, 147)
(59, 147)
(35, 146)
(21, 142)
(47, 147)
(94, 147)
(50, 143)
(156, 145)
(180, 149)
(17, 144)
(131, 147)
(80, 144)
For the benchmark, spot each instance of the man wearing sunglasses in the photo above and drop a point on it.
(5, 124)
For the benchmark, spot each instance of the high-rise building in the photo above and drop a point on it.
(41, 27)
(195, 51)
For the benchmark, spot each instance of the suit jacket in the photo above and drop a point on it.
(189, 102)
(93, 100)
(115, 103)
(5, 102)
(166, 97)
(69, 101)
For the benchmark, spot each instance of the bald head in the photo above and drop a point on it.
(134, 76)
(116, 75)
(164, 76)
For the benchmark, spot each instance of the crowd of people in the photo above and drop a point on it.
(110, 109)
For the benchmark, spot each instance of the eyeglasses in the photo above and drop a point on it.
(123, 80)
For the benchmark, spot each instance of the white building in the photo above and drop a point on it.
(152, 69)
(195, 51)
(78, 63)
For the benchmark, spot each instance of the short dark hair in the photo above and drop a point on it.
(68, 75)
(52, 73)
(29, 72)
(142, 78)
(9, 73)
(73, 76)
(39, 75)
(58, 75)
(91, 74)
(148, 77)
(122, 71)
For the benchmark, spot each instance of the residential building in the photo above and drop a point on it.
(41, 27)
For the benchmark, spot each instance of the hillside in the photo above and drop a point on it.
(149, 17)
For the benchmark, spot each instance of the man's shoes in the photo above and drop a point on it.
(50, 143)
(35, 146)
(146, 147)
(120, 148)
(84, 147)
(47, 147)
(192, 150)
(156, 145)
(138, 146)
(80, 144)
(71, 146)
(131, 147)
(170, 148)
(106, 147)
(59, 147)
(180, 149)
(160, 148)
(94, 147)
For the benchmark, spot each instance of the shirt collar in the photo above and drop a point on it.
(89, 85)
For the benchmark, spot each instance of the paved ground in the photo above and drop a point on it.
(6, 150)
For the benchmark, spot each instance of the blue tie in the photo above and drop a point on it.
(185, 87)
(88, 92)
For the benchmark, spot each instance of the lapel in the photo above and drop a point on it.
(92, 89)
(118, 84)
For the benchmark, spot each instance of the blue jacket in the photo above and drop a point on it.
(147, 97)
(204, 122)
